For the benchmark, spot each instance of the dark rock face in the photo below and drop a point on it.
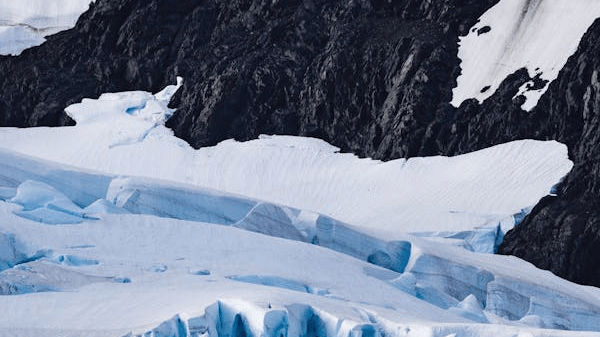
(364, 75)
(562, 234)
(370, 76)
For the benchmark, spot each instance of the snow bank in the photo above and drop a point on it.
(24, 23)
(538, 35)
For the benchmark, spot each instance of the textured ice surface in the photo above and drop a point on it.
(82, 188)
(141, 273)
(538, 35)
(40, 276)
(103, 206)
(12, 251)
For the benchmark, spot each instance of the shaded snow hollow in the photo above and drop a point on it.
(539, 35)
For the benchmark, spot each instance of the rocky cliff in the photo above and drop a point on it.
(370, 76)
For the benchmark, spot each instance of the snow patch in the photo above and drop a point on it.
(539, 35)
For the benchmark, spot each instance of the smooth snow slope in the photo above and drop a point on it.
(24, 23)
(123, 133)
(538, 35)
(114, 273)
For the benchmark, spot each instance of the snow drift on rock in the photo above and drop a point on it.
(538, 35)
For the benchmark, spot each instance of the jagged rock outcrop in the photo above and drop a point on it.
(370, 76)
(364, 75)
(562, 234)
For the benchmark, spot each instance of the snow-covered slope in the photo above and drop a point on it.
(118, 271)
(114, 227)
(273, 237)
(123, 133)
(24, 23)
(538, 35)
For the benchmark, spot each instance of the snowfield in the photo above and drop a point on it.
(114, 227)
(539, 35)
(24, 23)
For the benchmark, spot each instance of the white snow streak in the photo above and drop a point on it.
(538, 35)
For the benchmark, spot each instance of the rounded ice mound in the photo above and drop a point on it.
(138, 104)
(34, 194)
(42, 203)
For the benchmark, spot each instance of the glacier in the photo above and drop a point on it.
(120, 224)
(126, 273)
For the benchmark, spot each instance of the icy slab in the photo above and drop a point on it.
(539, 35)
(24, 23)
(12, 252)
(7, 193)
(42, 203)
(40, 276)
(103, 206)
(146, 196)
(82, 188)
(178, 202)
(152, 197)
(34, 194)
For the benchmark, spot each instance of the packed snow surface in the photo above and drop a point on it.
(24, 23)
(538, 35)
(114, 227)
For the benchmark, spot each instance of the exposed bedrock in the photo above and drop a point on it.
(372, 77)
(562, 234)
(366, 75)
